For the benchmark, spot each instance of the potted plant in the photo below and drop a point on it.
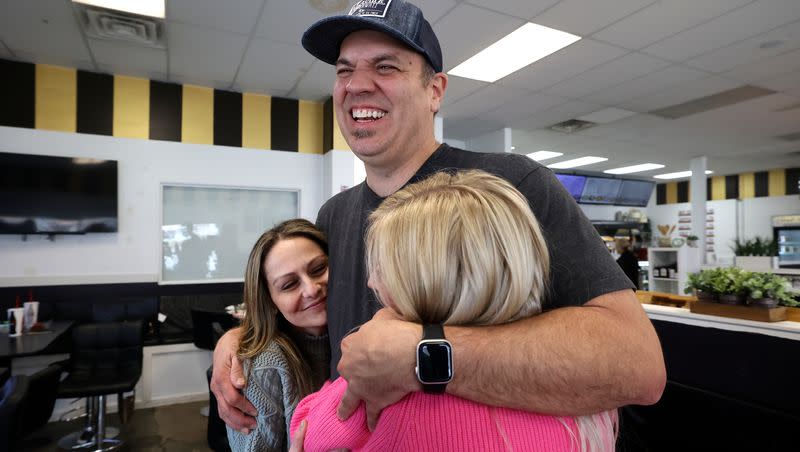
(700, 284)
(754, 254)
(691, 240)
(729, 284)
(765, 289)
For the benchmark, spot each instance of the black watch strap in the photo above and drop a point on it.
(433, 331)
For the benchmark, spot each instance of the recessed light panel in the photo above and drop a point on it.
(521, 47)
(678, 175)
(634, 168)
(544, 155)
(574, 163)
(152, 8)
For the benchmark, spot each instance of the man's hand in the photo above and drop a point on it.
(227, 380)
(378, 363)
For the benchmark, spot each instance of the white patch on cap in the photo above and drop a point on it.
(370, 8)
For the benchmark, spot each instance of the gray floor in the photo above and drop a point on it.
(178, 428)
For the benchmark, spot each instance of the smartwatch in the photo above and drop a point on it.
(434, 359)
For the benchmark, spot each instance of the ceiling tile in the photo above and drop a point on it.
(466, 128)
(189, 49)
(122, 59)
(44, 31)
(433, 10)
(567, 62)
(609, 74)
(460, 87)
(680, 93)
(787, 82)
(482, 101)
(284, 21)
(4, 52)
(523, 106)
(749, 50)
(522, 9)
(467, 29)
(584, 17)
(766, 68)
(236, 16)
(260, 73)
(663, 19)
(316, 83)
(647, 84)
(742, 23)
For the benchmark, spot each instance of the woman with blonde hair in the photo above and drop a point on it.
(284, 342)
(454, 249)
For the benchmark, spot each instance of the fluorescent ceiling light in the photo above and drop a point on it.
(607, 115)
(634, 168)
(678, 175)
(521, 47)
(574, 163)
(544, 155)
(153, 8)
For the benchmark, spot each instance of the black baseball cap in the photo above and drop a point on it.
(397, 18)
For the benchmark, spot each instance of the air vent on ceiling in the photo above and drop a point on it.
(572, 125)
(120, 26)
(714, 101)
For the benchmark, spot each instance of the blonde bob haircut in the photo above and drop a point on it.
(465, 249)
(459, 248)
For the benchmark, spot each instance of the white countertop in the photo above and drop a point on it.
(785, 329)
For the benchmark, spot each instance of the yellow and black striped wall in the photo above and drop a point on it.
(777, 182)
(56, 98)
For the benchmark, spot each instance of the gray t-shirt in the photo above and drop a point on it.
(581, 267)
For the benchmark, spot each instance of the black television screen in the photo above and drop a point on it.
(42, 194)
(600, 190)
(573, 184)
(635, 193)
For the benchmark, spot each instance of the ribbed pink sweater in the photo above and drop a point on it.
(424, 422)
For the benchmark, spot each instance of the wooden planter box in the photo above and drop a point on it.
(793, 314)
(739, 311)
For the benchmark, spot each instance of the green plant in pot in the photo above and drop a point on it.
(691, 240)
(768, 290)
(700, 284)
(729, 284)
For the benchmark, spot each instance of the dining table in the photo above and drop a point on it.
(31, 342)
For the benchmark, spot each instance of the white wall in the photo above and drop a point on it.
(757, 214)
(133, 254)
(490, 142)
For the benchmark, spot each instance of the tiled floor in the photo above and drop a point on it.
(174, 428)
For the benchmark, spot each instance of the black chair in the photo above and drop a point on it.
(208, 327)
(12, 395)
(40, 398)
(106, 359)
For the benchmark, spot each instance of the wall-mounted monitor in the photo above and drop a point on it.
(41, 194)
(573, 183)
(635, 193)
(600, 190)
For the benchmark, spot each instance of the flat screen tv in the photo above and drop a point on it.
(634, 193)
(41, 194)
(573, 183)
(600, 190)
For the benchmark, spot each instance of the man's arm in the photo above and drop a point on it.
(568, 361)
(227, 380)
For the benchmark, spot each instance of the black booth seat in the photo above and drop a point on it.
(107, 359)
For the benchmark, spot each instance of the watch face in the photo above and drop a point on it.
(434, 362)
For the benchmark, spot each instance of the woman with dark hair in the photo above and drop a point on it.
(284, 341)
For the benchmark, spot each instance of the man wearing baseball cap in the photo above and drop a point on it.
(592, 349)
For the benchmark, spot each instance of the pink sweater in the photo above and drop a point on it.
(424, 422)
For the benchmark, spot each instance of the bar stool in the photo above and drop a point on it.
(107, 359)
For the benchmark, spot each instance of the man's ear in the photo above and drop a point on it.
(438, 86)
